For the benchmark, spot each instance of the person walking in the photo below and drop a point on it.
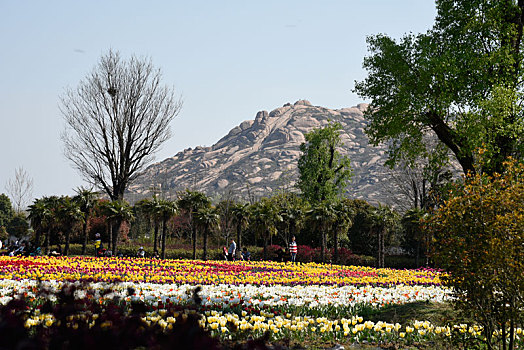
(98, 244)
(232, 250)
(293, 249)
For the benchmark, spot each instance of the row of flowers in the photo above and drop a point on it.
(239, 326)
(243, 296)
(261, 273)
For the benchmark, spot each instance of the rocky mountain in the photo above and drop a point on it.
(260, 156)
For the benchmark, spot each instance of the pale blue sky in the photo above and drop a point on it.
(228, 60)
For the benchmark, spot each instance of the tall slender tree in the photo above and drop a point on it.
(69, 214)
(208, 219)
(116, 212)
(343, 221)
(323, 215)
(240, 213)
(191, 202)
(264, 217)
(384, 221)
(87, 200)
(324, 172)
(167, 210)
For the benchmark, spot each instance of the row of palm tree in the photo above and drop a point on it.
(53, 216)
(278, 217)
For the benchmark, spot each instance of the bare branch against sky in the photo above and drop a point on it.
(20, 189)
(116, 119)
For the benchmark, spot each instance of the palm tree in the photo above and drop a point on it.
(167, 209)
(323, 215)
(265, 216)
(413, 231)
(342, 223)
(225, 211)
(240, 213)
(39, 215)
(68, 214)
(43, 216)
(191, 202)
(292, 209)
(87, 200)
(208, 219)
(117, 212)
(384, 219)
(153, 209)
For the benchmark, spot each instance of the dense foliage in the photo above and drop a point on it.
(461, 81)
(480, 235)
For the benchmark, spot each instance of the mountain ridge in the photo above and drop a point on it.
(260, 156)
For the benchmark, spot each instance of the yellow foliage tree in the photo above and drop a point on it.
(480, 243)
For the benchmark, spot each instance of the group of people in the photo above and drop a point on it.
(142, 253)
(230, 253)
(23, 247)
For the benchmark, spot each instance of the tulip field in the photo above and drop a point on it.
(313, 303)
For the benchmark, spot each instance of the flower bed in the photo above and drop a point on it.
(207, 273)
(237, 300)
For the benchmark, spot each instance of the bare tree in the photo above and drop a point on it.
(116, 119)
(20, 189)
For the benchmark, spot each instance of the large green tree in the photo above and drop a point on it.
(324, 172)
(18, 225)
(6, 210)
(460, 81)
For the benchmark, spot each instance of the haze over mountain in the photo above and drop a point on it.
(260, 156)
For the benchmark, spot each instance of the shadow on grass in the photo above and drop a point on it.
(437, 313)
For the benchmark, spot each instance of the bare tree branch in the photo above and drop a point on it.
(20, 189)
(116, 119)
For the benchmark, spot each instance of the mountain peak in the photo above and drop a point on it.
(260, 156)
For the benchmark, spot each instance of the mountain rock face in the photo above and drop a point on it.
(260, 156)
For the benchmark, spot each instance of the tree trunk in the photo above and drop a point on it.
(378, 248)
(84, 233)
(239, 236)
(323, 246)
(155, 237)
(194, 241)
(109, 229)
(37, 238)
(164, 233)
(335, 247)
(417, 255)
(116, 231)
(265, 245)
(382, 248)
(204, 255)
(68, 239)
(46, 242)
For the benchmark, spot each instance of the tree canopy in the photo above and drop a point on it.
(6, 210)
(324, 172)
(461, 81)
